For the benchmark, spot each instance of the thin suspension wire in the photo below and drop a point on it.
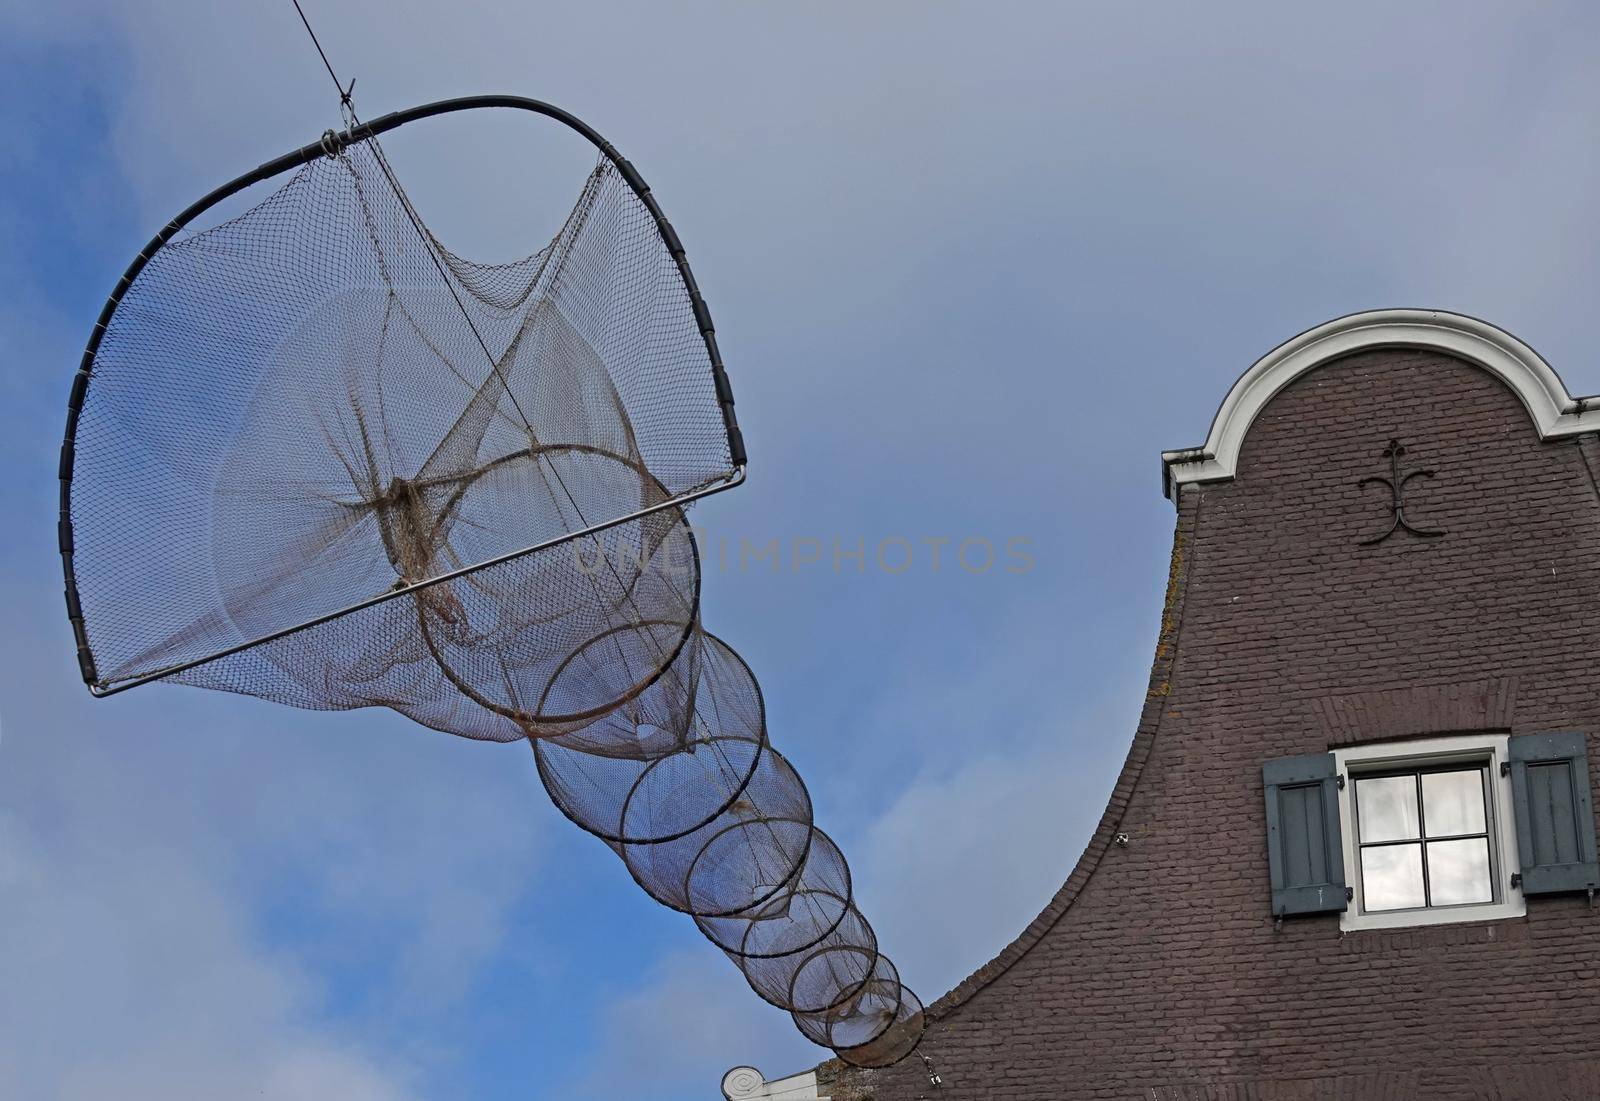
(348, 104)
(427, 246)
(320, 51)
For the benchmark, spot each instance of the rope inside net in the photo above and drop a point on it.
(311, 457)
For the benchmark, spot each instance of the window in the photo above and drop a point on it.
(1424, 838)
(1428, 832)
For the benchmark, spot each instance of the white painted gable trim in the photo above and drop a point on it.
(747, 1084)
(1555, 412)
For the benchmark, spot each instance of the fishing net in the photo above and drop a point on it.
(316, 457)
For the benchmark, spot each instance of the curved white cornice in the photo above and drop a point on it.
(1555, 412)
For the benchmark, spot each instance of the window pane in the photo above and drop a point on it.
(1391, 877)
(1387, 806)
(1453, 802)
(1458, 871)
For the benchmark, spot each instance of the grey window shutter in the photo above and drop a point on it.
(1555, 812)
(1304, 846)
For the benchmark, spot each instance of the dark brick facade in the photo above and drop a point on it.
(1156, 973)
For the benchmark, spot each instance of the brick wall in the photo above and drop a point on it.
(1157, 973)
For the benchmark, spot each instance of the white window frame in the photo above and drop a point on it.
(1351, 761)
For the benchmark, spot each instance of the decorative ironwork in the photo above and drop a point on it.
(1397, 490)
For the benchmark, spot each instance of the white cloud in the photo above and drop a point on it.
(187, 879)
(694, 1013)
(128, 974)
(958, 864)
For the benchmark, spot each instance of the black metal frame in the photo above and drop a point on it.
(330, 144)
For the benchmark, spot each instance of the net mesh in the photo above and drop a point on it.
(295, 411)
(316, 451)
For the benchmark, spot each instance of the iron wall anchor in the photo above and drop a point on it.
(1397, 491)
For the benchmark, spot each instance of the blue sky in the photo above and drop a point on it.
(973, 267)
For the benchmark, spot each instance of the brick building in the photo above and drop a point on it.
(1351, 853)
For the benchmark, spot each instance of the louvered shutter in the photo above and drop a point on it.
(1554, 811)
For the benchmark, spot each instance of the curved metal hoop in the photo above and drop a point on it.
(330, 144)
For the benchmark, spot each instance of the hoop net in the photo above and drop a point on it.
(314, 454)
